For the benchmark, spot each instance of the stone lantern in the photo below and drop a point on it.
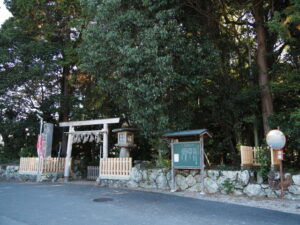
(125, 139)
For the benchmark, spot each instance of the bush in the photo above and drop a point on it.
(263, 158)
(162, 153)
(28, 151)
(228, 186)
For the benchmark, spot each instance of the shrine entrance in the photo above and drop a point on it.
(84, 136)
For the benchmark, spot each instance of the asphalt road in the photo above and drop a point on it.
(65, 204)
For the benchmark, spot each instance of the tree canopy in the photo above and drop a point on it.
(229, 66)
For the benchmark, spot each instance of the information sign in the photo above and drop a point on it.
(186, 155)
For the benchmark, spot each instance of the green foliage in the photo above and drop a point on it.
(263, 158)
(286, 78)
(19, 137)
(142, 57)
(164, 65)
(162, 153)
(28, 152)
(286, 22)
(228, 186)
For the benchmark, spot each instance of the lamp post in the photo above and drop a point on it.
(125, 139)
(276, 140)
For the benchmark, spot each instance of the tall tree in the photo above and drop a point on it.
(262, 62)
(57, 25)
(147, 61)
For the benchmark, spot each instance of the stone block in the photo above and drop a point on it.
(270, 193)
(210, 186)
(231, 175)
(190, 180)
(135, 175)
(221, 181)
(243, 177)
(237, 192)
(181, 182)
(291, 197)
(194, 188)
(198, 178)
(162, 182)
(194, 172)
(132, 184)
(259, 179)
(153, 174)
(213, 174)
(294, 189)
(168, 176)
(147, 185)
(254, 190)
(296, 179)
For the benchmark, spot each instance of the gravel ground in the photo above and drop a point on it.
(283, 205)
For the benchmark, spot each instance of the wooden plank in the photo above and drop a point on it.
(126, 166)
(93, 172)
(130, 165)
(113, 162)
(85, 132)
(118, 167)
(115, 177)
(274, 158)
(48, 165)
(115, 166)
(89, 122)
(246, 155)
(122, 166)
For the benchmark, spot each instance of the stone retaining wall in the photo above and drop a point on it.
(215, 181)
(12, 173)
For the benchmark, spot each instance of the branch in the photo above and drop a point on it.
(237, 22)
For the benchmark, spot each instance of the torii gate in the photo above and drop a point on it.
(72, 132)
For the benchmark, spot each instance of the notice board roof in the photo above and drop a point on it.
(199, 132)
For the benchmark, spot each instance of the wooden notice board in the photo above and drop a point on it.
(186, 155)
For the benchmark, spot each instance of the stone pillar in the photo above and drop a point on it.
(69, 153)
(47, 139)
(105, 140)
(124, 152)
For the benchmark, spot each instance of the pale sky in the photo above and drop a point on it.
(4, 13)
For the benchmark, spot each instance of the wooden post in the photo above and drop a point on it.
(105, 140)
(69, 153)
(202, 164)
(280, 157)
(100, 165)
(275, 162)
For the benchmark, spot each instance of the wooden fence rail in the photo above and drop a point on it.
(92, 172)
(249, 156)
(47, 165)
(115, 168)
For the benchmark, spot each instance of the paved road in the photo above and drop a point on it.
(60, 204)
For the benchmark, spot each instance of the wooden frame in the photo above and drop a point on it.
(89, 122)
(173, 139)
(72, 131)
(189, 167)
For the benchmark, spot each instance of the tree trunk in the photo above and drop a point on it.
(263, 79)
(65, 106)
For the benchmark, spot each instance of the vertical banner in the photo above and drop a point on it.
(39, 146)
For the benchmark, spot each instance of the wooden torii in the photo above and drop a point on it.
(72, 132)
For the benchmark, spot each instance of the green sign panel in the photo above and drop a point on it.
(186, 155)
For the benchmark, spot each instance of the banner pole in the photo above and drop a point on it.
(38, 150)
